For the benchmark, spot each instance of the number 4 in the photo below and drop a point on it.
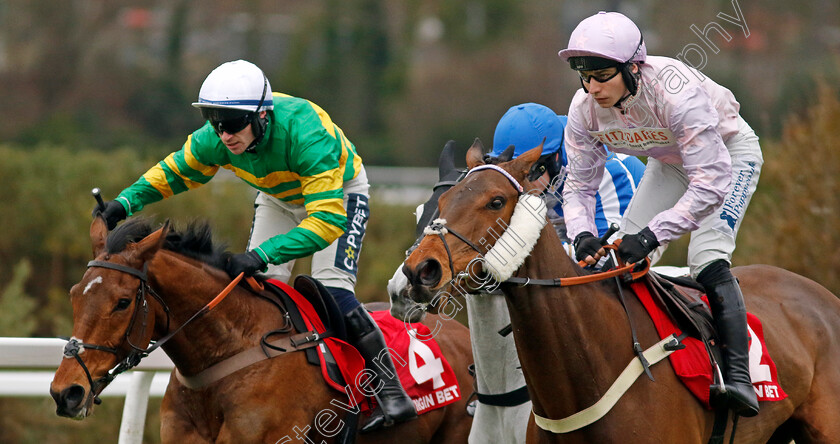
(432, 368)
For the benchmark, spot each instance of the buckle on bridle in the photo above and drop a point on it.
(73, 347)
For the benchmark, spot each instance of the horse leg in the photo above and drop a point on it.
(177, 429)
(816, 420)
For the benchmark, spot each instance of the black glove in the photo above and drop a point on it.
(249, 262)
(113, 213)
(586, 244)
(635, 247)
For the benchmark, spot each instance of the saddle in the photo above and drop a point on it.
(680, 297)
(323, 303)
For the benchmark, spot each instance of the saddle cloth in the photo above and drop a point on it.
(423, 370)
(692, 364)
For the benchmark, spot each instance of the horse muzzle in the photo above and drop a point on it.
(402, 306)
(427, 274)
(72, 402)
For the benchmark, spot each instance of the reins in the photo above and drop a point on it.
(641, 362)
(438, 227)
(629, 271)
(74, 347)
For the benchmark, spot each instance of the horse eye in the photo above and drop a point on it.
(122, 304)
(497, 203)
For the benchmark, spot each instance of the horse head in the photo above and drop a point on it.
(111, 319)
(472, 216)
(402, 305)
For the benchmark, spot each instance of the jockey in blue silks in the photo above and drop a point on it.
(502, 412)
(527, 125)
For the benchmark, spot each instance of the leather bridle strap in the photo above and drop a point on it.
(74, 347)
(438, 227)
(587, 279)
(140, 274)
(210, 305)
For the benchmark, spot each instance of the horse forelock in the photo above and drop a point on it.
(132, 231)
(196, 241)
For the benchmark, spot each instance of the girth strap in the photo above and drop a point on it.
(589, 415)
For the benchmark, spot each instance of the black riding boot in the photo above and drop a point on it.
(394, 404)
(727, 304)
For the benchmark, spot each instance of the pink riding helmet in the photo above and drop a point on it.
(609, 35)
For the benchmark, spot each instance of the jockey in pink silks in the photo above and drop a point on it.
(703, 166)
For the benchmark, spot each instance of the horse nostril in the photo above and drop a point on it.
(73, 396)
(429, 272)
(409, 274)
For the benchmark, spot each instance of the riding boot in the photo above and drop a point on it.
(394, 404)
(730, 315)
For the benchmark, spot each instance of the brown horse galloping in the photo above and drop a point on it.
(574, 341)
(274, 400)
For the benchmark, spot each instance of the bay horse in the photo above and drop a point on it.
(502, 411)
(278, 400)
(574, 341)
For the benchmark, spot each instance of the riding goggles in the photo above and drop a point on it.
(229, 121)
(601, 75)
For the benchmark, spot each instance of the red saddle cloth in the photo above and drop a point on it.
(692, 364)
(423, 370)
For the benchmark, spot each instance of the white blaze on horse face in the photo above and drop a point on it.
(96, 280)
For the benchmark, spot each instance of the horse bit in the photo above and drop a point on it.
(75, 347)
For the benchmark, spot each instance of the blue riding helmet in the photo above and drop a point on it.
(524, 126)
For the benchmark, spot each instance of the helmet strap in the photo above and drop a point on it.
(631, 81)
(258, 124)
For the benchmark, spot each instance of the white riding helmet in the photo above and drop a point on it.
(607, 35)
(236, 85)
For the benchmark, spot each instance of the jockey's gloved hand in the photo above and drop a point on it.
(113, 213)
(588, 246)
(635, 247)
(249, 263)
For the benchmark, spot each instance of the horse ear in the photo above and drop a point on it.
(522, 164)
(149, 246)
(446, 162)
(475, 155)
(98, 234)
(507, 154)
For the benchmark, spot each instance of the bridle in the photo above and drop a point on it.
(438, 227)
(74, 347)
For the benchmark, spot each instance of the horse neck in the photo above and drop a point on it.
(568, 338)
(236, 323)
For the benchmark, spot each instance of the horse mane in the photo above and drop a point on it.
(196, 241)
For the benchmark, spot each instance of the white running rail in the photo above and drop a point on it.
(27, 366)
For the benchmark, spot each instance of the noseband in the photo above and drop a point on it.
(75, 347)
(438, 226)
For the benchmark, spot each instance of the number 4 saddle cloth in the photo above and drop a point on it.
(424, 372)
(692, 364)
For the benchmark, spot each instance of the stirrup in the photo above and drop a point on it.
(377, 421)
(724, 397)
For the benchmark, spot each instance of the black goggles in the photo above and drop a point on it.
(602, 75)
(227, 120)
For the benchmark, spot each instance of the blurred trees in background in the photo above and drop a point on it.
(794, 217)
(400, 76)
